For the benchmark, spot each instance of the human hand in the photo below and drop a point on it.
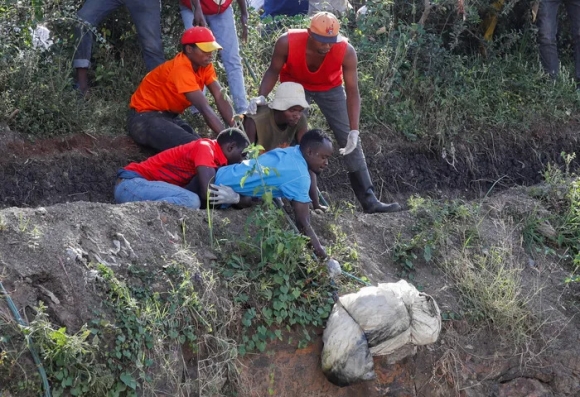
(199, 19)
(351, 143)
(254, 103)
(334, 269)
(320, 209)
(222, 195)
(244, 21)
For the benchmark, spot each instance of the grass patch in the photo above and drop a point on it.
(477, 255)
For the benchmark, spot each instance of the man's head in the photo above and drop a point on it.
(199, 45)
(290, 101)
(323, 31)
(233, 142)
(316, 147)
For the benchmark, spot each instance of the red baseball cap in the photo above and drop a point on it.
(324, 27)
(201, 37)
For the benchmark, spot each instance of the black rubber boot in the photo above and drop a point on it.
(363, 189)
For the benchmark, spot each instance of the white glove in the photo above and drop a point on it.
(254, 102)
(351, 143)
(222, 195)
(334, 269)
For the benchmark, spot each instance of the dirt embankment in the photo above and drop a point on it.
(44, 253)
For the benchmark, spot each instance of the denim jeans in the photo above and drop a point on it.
(332, 104)
(548, 28)
(223, 26)
(140, 189)
(159, 130)
(146, 15)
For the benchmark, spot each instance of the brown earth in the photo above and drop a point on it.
(44, 252)
(82, 167)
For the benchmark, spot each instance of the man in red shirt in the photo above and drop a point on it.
(169, 175)
(321, 60)
(171, 88)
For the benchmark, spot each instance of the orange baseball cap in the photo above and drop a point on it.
(324, 27)
(201, 37)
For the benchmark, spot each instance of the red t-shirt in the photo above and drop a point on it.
(163, 89)
(178, 165)
(328, 75)
(210, 7)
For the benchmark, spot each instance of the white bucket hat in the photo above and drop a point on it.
(287, 95)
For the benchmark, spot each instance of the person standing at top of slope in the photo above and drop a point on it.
(146, 15)
(219, 16)
(321, 60)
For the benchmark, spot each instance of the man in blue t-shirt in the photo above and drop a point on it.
(285, 7)
(287, 176)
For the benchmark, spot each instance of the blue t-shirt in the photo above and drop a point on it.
(288, 175)
(285, 7)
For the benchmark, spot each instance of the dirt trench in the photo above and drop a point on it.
(81, 167)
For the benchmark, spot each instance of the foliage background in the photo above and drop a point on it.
(428, 77)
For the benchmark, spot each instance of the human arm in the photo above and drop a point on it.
(302, 215)
(205, 176)
(200, 102)
(243, 19)
(350, 76)
(250, 128)
(224, 108)
(313, 193)
(279, 58)
(302, 128)
(198, 17)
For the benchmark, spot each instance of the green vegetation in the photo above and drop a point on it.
(276, 282)
(130, 346)
(482, 268)
(557, 232)
(434, 79)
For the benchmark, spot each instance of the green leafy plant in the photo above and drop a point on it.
(275, 280)
(433, 219)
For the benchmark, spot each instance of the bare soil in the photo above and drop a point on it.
(68, 184)
(83, 167)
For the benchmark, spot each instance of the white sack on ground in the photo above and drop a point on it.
(424, 314)
(423, 310)
(346, 358)
(381, 313)
(390, 319)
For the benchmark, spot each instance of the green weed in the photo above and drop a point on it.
(275, 281)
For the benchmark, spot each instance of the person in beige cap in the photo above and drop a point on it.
(325, 64)
(282, 123)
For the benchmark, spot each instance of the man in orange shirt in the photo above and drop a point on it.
(172, 87)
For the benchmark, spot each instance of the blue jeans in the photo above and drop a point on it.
(332, 104)
(223, 26)
(285, 7)
(548, 28)
(159, 130)
(146, 15)
(140, 189)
